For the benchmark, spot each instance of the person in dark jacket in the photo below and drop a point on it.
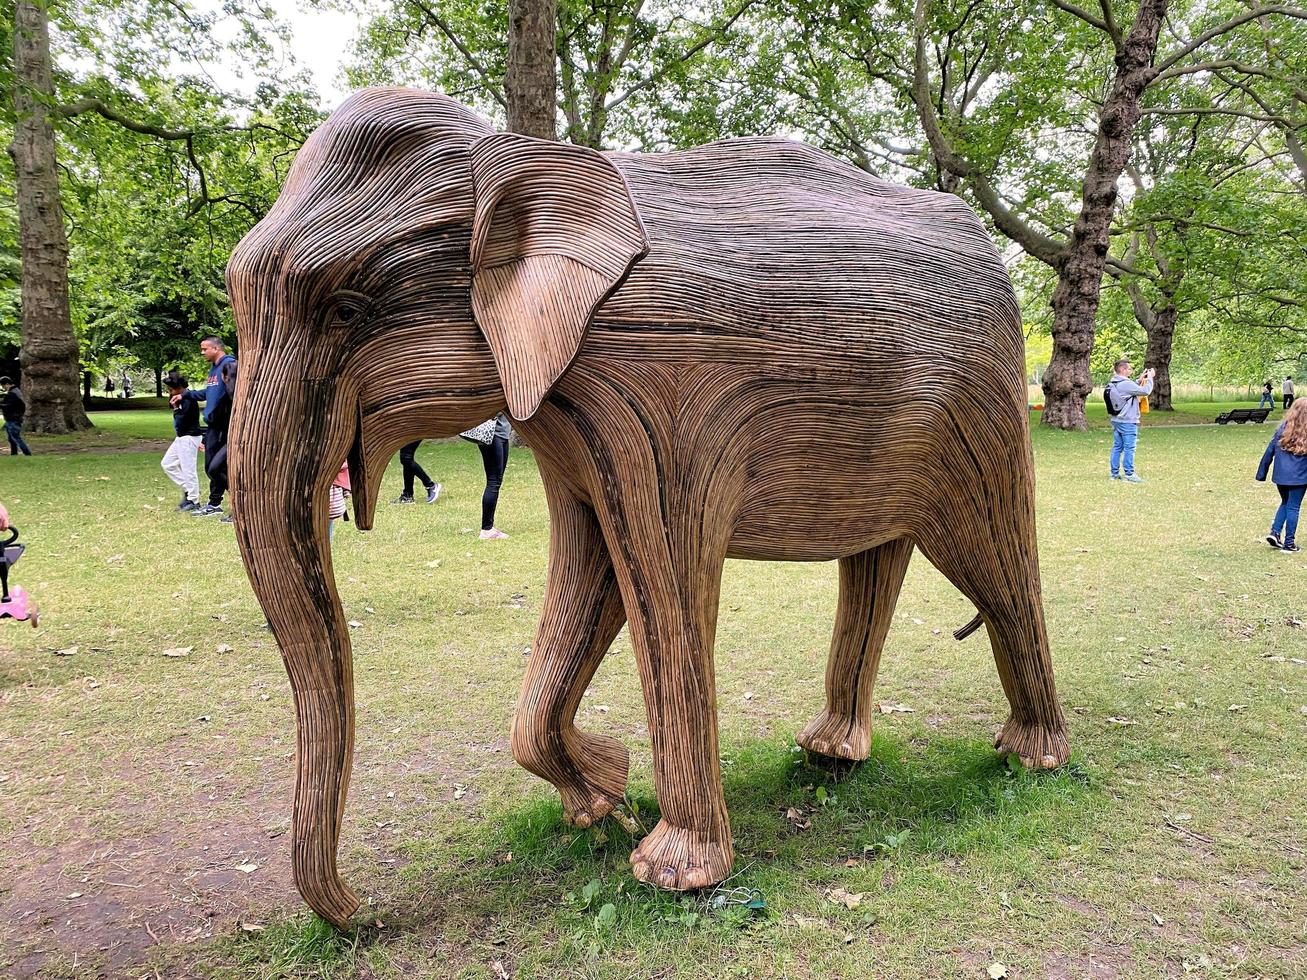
(1287, 454)
(14, 407)
(219, 390)
(179, 460)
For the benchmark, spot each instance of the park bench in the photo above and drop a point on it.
(1242, 415)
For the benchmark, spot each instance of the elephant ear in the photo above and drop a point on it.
(555, 232)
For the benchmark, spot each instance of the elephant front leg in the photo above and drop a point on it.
(869, 588)
(670, 577)
(582, 614)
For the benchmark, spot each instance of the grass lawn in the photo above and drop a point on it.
(144, 797)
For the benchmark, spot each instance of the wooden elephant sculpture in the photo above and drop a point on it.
(748, 349)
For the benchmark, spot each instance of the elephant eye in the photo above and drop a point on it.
(346, 308)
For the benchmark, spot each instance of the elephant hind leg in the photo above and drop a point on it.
(996, 566)
(869, 588)
(582, 614)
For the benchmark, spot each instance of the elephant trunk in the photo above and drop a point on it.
(287, 441)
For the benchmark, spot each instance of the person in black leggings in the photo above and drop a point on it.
(494, 458)
(407, 459)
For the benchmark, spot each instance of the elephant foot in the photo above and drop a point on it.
(1040, 746)
(602, 763)
(680, 860)
(326, 893)
(836, 744)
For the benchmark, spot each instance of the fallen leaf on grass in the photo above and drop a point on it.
(74, 895)
(997, 971)
(459, 791)
(1117, 720)
(247, 868)
(250, 926)
(797, 819)
(1157, 919)
(354, 624)
(849, 900)
(499, 971)
(114, 558)
(1236, 707)
(67, 652)
(225, 648)
(178, 651)
(888, 708)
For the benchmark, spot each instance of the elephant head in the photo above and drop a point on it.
(418, 273)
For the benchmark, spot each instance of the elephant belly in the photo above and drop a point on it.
(827, 491)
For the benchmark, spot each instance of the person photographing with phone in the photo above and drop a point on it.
(1122, 396)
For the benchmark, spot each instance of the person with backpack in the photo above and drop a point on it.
(1122, 398)
(14, 408)
(1288, 451)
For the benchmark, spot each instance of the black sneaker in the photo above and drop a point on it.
(228, 519)
(186, 505)
(1290, 546)
(208, 510)
(433, 492)
(1273, 540)
(403, 498)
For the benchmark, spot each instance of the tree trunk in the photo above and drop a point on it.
(530, 84)
(49, 347)
(1080, 272)
(158, 382)
(1158, 357)
(86, 390)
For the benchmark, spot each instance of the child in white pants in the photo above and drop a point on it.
(179, 461)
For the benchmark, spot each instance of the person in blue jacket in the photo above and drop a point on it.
(219, 390)
(1286, 459)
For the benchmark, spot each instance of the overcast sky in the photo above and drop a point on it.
(321, 38)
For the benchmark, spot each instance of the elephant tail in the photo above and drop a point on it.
(962, 632)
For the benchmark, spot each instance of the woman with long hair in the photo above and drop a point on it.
(1288, 451)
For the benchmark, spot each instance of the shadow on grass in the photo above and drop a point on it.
(520, 879)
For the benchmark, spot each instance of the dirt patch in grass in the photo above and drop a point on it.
(136, 446)
(1107, 962)
(105, 903)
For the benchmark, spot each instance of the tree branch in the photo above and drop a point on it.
(1255, 14)
(711, 35)
(1036, 243)
(492, 87)
(1083, 14)
(1220, 111)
